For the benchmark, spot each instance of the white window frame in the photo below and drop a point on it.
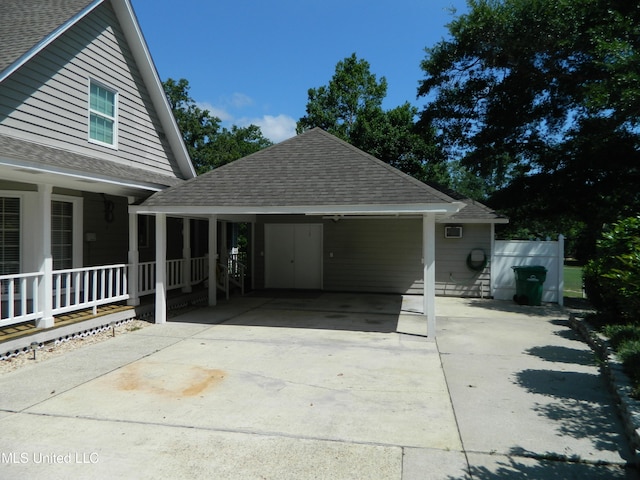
(20, 197)
(77, 217)
(90, 112)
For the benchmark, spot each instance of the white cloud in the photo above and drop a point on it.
(239, 100)
(219, 112)
(275, 129)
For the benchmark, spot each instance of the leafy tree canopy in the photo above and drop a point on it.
(350, 107)
(208, 145)
(541, 98)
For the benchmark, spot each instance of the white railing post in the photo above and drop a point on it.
(43, 226)
(161, 268)
(186, 254)
(213, 259)
(133, 259)
(429, 267)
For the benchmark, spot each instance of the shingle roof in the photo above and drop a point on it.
(26, 23)
(473, 210)
(32, 155)
(311, 169)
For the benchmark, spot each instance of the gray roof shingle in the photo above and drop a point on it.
(473, 210)
(311, 169)
(32, 154)
(26, 23)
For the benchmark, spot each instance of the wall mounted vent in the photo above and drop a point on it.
(451, 231)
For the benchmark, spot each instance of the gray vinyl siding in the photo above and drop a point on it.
(385, 256)
(453, 277)
(47, 99)
(373, 255)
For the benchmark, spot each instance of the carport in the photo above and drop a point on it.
(294, 192)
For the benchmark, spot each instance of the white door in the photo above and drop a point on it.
(293, 256)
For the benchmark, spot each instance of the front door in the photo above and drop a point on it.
(293, 256)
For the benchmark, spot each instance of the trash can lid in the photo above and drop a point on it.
(530, 268)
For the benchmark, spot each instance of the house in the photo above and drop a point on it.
(97, 189)
(326, 215)
(85, 130)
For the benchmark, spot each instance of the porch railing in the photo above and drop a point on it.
(175, 274)
(90, 287)
(19, 298)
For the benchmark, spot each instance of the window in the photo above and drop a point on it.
(9, 235)
(62, 234)
(102, 115)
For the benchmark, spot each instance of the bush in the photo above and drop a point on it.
(612, 278)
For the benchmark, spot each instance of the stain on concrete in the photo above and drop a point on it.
(174, 381)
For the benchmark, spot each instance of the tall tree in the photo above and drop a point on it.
(350, 107)
(208, 145)
(542, 99)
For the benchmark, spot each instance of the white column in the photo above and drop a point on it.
(161, 268)
(45, 262)
(213, 259)
(134, 260)
(429, 272)
(186, 254)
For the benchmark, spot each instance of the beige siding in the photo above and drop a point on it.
(47, 99)
(453, 277)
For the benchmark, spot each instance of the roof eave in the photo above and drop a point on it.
(438, 209)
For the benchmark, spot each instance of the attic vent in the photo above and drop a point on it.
(451, 231)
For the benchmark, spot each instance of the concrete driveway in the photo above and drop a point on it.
(319, 386)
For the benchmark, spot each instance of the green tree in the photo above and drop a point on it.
(350, 107)
(541, 98)
(208, 145)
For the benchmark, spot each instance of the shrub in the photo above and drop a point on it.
(612, 278)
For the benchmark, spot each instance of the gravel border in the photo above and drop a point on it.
(619, 382)
(62, 345)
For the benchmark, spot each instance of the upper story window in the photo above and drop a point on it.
(103, 111)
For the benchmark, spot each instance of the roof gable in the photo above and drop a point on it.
(28, 27)
(310, 170)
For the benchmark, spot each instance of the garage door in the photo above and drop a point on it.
(293, 256)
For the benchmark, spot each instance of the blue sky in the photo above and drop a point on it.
(254, 61)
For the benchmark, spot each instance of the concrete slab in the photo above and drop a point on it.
(494, 466)
(31, 385)
(121, 450)
(528, 386)
(429, 464)
(321, 386)
(282, 381)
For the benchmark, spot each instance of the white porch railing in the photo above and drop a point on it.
(19, 298)
(73, 289)
(90, 287)
(175, 274)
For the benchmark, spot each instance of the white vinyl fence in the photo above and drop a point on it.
(510, 253)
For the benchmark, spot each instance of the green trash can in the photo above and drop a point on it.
(529, 281)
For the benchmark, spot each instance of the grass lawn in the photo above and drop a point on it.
(572, 281)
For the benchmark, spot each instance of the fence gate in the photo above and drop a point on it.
(510, 253)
